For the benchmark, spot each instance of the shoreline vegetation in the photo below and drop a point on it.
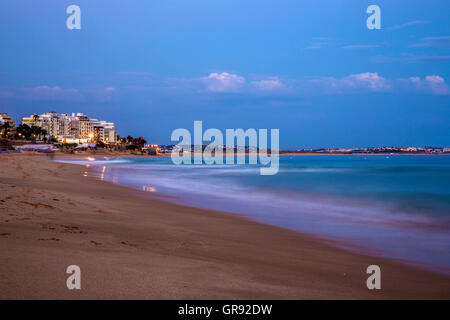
(70, 151)
(137, 146)
(132, 245)
(81, 132)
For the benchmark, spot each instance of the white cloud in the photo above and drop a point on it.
(407, 24)
(432, 83)
(373, 82)
(223, 82)
(51, 93)
(56, 93)
(268, 84)
(435, 42)
(104, 94)
(410, 59)
(233, 83)
(353, 83)
(361, 46)
(367, 80)
(317, 45)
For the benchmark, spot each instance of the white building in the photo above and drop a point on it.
(76, 128)
(104, 131)
(5, 118)
(53, 123)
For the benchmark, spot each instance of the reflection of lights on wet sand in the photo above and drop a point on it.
(91, 159)
(102, 176)
(148, 189)
(88, 166)
(85, 174)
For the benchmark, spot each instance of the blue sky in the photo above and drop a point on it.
(310, 68)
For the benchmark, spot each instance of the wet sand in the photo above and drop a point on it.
(130, 246)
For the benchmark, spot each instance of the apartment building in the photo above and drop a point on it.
(74, 127)
(11, 130)
(85, 127)
(53, 123)
(104, 131)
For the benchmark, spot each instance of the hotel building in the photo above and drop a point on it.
(75, 128)
(6, 118)
(104, 131)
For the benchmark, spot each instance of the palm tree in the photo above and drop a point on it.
(2, 127)
(43, 132)
(24, 131)
(35, 132)
(5, 127)
(139, 141)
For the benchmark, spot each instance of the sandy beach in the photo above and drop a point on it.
(130, 246)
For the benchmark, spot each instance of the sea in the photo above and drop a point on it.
(394, 206)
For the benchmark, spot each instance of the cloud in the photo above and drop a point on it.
(410, 59)
(56, 93)
(233, 83)
(104, 94)
(135, 73)
(223, 82)
(371, 82)
(407, 24)
(435, 42)
(361, 82)
(361, 46)
(444, 38)
(271, 84)
(320, 42)
(317, 45)
(51, 93)
(357, 83)
(323, 38)
(366, 80)
(218, 84)
(432, 83)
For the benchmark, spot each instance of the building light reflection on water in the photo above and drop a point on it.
(148, 189)
(102, 175)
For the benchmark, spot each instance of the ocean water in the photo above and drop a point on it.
(391, 206)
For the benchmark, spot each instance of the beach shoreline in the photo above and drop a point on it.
(130, 246)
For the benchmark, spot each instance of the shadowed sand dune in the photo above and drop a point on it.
(52, 215)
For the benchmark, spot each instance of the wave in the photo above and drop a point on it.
(390, 217)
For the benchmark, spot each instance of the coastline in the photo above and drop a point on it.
(119, 154)
(129, 246)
